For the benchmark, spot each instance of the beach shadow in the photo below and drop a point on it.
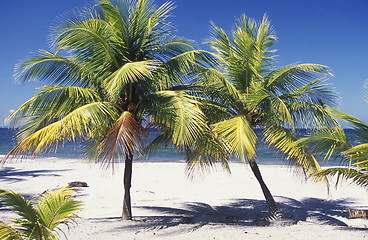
(316, 210)
(12, 175)
(243, 212)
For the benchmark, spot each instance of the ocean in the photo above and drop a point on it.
(75, 150)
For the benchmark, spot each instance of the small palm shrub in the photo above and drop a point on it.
(38, 220)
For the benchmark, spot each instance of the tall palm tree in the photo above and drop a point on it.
(115, 69)
(246, 93)
(38, 221)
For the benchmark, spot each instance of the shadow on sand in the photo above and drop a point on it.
(12, 175)
(241, 212)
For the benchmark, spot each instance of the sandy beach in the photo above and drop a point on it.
(215, 205)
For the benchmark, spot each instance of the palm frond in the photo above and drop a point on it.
(57, 207)
(361, 129)
(159, 142)
(206, 153)
(124, 137)
(359, 154)
(21, 206)
(140, 26)
(178, 113)
(279, 110)
(117, 16)
(315, 92)
(218, 87)
(86, 36)
(49, 67)
(283, 79)
(128, 73)
(85, 122)
(354, 175)
(297, 154)
(266, 35)
(172, 47)
(220, 42)
(310, 115)
(8, 233)
(185, 62)
(252, 41)
(52, 102)
(327, 141)
(238, 137)
(256, 97)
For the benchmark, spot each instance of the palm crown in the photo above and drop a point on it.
(250, 93)
(115, 70)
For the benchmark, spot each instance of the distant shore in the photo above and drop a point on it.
(169, 205)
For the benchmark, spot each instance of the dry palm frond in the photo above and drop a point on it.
(124, 137)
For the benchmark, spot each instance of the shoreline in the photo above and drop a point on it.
(153, 160)
(166, 202)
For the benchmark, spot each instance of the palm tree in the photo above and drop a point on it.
(38, 221)
(335, 143)
(115, 70)
(246, 93)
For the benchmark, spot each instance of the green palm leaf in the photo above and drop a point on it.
(185, 62)
(359, 153)
(310, 115)
(47, 66)
(238, 135)
(180, 115)
(280, 80)
(206, 152)
(279, 109)
(8, 233)
(159, 142)
(17, 203)
(128, 73)
(214, 82)
(83, 36)
(173, 47)
(57, 207)
(53, 102)
(360, 127)
(84, 122)
(326, 141)
(39, 221)
(220, 42)
(314, 91)
(283, 140)
(354, 175)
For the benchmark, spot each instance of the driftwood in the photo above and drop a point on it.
(358, 213)
(73, 185)
(77, 184)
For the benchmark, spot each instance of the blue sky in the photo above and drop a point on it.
(329, 32)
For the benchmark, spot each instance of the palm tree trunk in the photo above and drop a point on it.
(127, 206)
(275, 212)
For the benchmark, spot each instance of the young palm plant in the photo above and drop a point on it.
(38, 221)
(246, 93)
(115, 70)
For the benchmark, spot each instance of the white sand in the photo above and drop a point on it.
(168, 205)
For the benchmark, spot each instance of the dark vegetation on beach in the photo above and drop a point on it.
(116, 71)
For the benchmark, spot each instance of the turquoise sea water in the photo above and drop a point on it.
(76, 151)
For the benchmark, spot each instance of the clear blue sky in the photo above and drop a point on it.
(329, 32)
